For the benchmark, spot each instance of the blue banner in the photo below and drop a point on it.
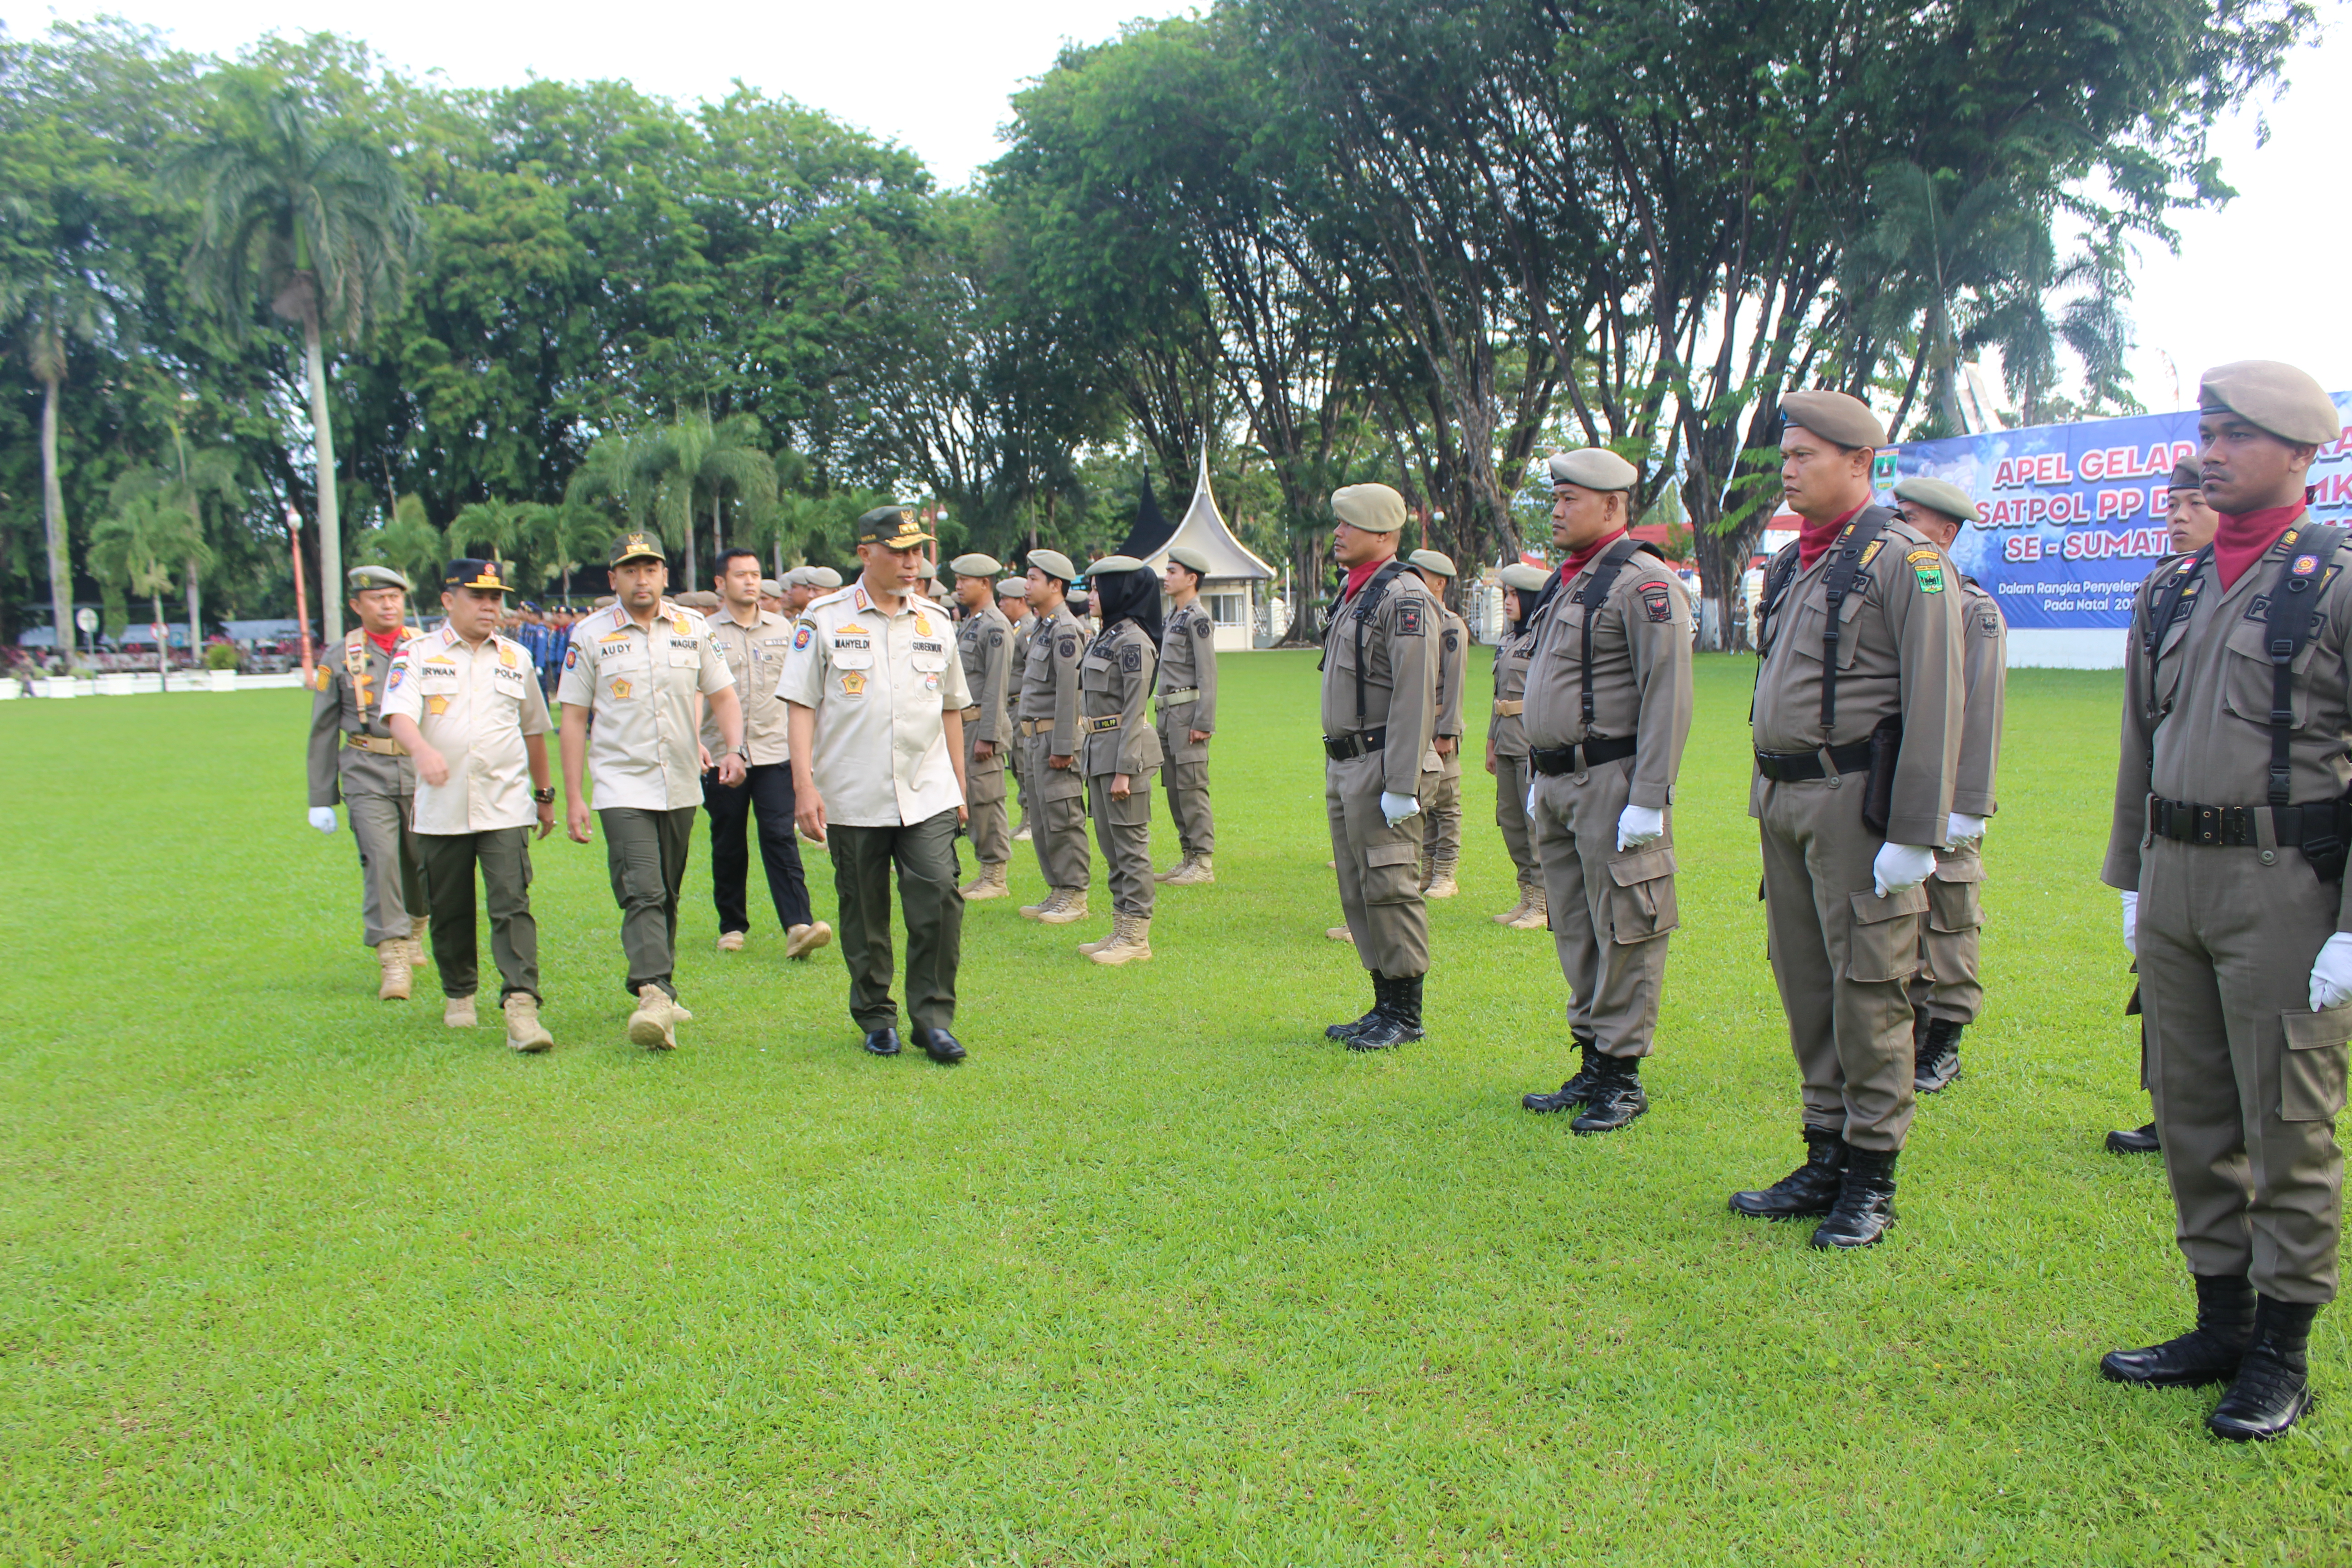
(2070, 518)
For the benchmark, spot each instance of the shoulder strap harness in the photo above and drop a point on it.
(1368, 599)
(1595, 593)
(2286, 628)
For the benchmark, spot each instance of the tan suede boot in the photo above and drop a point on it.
(458, 1013)
(524, 1031)
(989, 884)
(1515, 911)
(802, 941)
(1131, 940)
(1197, 872)
(1339, 933)
(1037, 912)
(1072, 909)
(392, 961)
(416, 953)
(1538, 917)
(1441, 884)
(654, 1023)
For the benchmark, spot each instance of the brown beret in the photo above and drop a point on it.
(2280, 398)
(1190, 559)
(1524, 578)
(1835, 417)
(2187, 476)
(1375, 509)
(1436, 562)
(1938, 495)
(1594, 469)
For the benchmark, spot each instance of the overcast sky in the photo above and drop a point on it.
(2252, 281)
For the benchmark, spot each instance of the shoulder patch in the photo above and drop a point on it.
(322, 677)
(1068, 648)
(1202, 627)
(996, 639)
(1131, 659)
(1869, 551)
(571, 656)
(1453, 640)
(1656, 603)
(1928, 565)
(802, 632)
(1408, 618)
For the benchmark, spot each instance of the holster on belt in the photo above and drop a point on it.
(1878, 787)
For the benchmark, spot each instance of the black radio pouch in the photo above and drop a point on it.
(1878, 784)
(2326, 851)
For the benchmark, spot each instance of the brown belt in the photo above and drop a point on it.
(1509, 709)
(371, 743)
(972, 711)
(1034, 726)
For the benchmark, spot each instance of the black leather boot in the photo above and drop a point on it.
(1347, 1031)
(1937, 1062)
(1576, 1091)
(1865, 1201)
(1616, 1097)
(2273, 1388)
(2210, 1352)
(1811, 1189)
(1397, 1020)
(2138, 1141)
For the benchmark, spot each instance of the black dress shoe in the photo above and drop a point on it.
(1866, 1203)
(1348, 1031)
(1937, 1061)
(939, 1046)
(1572, 1094)
(2138, 1141)
(882, 1042)
(2273, 1388)
(2210, 1352)
(1810, 1190)
(1616, 1097)
(1396, 1020)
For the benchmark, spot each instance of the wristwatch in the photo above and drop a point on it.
(543, 797)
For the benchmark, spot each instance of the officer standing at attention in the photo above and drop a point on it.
(1947, 994)
(1049, 738)
(465, 703)
(1441, 785)
(984, 644)
(877, 698)
(371, 776)
(1507, 741)
(1857, 734)
(2228, 848)
(1608, 713)
(772, 596)
(637, 667)
(1380, 712)
(753, 643)
(1115, 680)
(1012, 601)
(1187, 703)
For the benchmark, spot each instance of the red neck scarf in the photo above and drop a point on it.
(2243, 536)
(1813, 538)
(388, 641)
(1360, 575)
(1583, 558)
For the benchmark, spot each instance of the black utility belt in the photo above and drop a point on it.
(1553, 761)
(2321, 824)
(1339, 748)
(1796, 767)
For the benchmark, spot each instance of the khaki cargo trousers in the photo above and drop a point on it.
(1611, 911)
(1379, 869)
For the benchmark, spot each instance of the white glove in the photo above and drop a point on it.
(1398, 808)
(1960, 831)
(1531, 800)
(2131, 924)
(2331, 973)
(1638, 825)
(322, 817)
(1900, 867)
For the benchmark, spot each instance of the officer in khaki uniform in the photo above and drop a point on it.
(466, 703)
(753, 643)
(1186, 700)
(2228, 849)
(1441, 767)
(370, 773)
(1012, 603)
(1049, 736)
(1857, 733)
(1948, 992)
(1115, 680)
(1378, 714)
(877, 697)
(1608, 713)
(984, 644)
(1507, 741)
(637, 667)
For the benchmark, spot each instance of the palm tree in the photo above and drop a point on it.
(507, 527)
(137, 545)
(322, 229)
(409, 541)
(567, 537)
(694, 459)
(187, 482)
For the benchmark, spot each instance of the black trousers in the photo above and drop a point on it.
(924, 855)
(766, 792)
(504, 856)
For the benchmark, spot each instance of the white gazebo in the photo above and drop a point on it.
(1234, 586)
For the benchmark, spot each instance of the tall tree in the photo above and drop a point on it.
(139, 544)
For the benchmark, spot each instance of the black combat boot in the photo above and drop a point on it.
(2273, 1388)
(1396, 1021)
(1350, 1031)
(1616, 1097)
(1865, 1201)
(2210, 1352)
(2137, 1140)
(1939, 1057)
(1811, 1189)
(1577, 1089)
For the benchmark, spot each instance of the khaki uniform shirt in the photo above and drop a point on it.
(349, 701)
(1984, 670)
(1506, 733)
(640, 685)
(1641, 673)
(1453, 662)
(1188, 662)
(985, 643)
(755, 657)
(1898, 655)
(474, 706)
(1398, 671)
(1049, 681)
(2200, 732)
(1115, 677)
(880, 684)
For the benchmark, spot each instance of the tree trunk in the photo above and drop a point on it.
(195, 618)
(322, 451)
(53, 522)
(163, 643)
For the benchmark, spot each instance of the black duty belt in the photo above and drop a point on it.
(2238, 826)
(1339, 748)
(1553, 761)
(1795, 767)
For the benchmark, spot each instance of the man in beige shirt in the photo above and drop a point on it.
(466, 703)
(753, 643)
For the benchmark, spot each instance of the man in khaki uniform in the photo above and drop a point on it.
(1186, 700)
(1857, 734)
(2228, 849)
(877, 698)
(1012, 603)
(371, 776)
(1948, 992)
(984, 644)
(1441, 784)
(1608, 713)
(637, 667)
(1507, 741)
(772, 596)
(466, 703)
(753, 643)
(1049, 736)
(1379, 714)
(1115, 680)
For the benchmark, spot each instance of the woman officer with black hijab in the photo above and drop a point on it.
(1122, 749)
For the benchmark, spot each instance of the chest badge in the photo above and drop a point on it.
(853, 683)
(506, 656)
(437, 705)
(620, 691)
(922, 626)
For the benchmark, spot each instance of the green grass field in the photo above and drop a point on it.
(291, 1276)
